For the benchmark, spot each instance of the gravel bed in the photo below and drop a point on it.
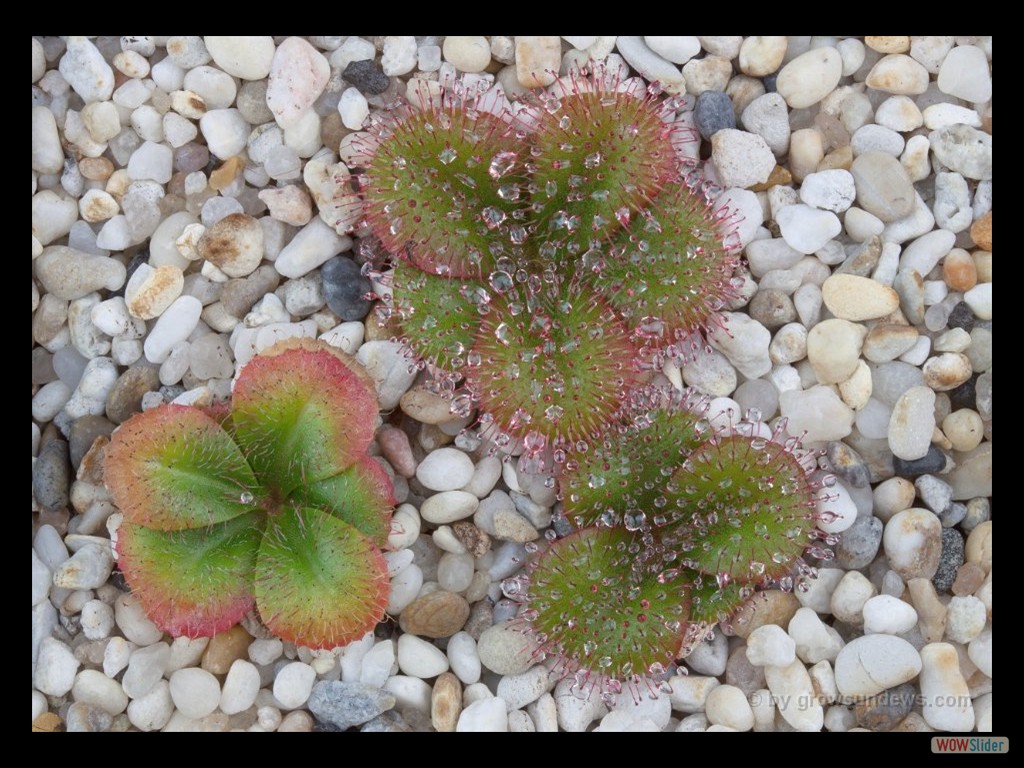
(858, 175)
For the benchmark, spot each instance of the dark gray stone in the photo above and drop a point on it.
(713, 112)
(125, 398)
(241, 293)
(83, 434)
(931, 463)
(367, 76)
(51, 476)
(345, 288)
(848, 465)
(950, 560)
(961, 316)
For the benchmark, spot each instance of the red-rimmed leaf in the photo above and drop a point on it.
(174, 467)
(319, 581)
(302, 415)
(362, 496)
(194, 583)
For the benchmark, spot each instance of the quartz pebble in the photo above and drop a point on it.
(809, 77)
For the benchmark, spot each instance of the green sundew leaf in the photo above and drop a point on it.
(752, 504)
(603, 156)
(711, 603)
(437, 319)
(557, 363)
(319, 581)
(669, 271)
(174, 467)
(441, 190)
(626, 478)
(194, 583)
(362, 496)
(597, 612)
(302, 415)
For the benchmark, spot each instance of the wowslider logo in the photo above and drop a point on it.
(972, 744)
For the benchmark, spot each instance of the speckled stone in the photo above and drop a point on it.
(932, 462)
(713, 112)
(859, 543)
(950, 560)
(886, 710)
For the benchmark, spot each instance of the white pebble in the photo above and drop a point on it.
(418, 658)
(888, 615)
(946, 704)
(445, 469)
(56, 667)
(241, 685)
(175, 324)
(195, 692)
(770, 645)
(293, 684)
(727, 705)
(485, 715)
(868, 665)
(463, 657)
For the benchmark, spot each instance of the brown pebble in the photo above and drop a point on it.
(446, 703)
(931, 613)
(959, 271)
(840, 158)
(981, 231)
(395, 447)
(227, 173)
(425, 406)
(436, 614)
(779, 175)
(48, 722)
(769, 607)
(95, 168)
(225, 649)
(969, 577)
(476, 541)
(90, 469)
(125, 398)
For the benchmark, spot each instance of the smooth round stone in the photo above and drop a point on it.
(770, 645)
(818, 412)
(225, 131)
(883, 186)
(979, 651)
(806, 229)
(639, 56)
(69, 274)
(833, 349)
(293, 684)
(56, 667)
(678, 49)
(886, 342)
(298, 74)
(965, 74)
(945, 114)
(145, 668)
(761, 55)
(441, 613)
(505, 649)
(742, 159)
(727, 705)
(520, 690)
(870, 664)
(810, 77)
(467, 53)
(353, 109)
(246, 56)
(152, 711)
(488, 715)
(195, 692)
(912, 423)
(898, 73)
(858, 298)
(94, 688)
(445, 469)
(946, 704)
(745, 343)
(418, 658)
(913, 543)
(241, 686)
(964, 428)
(884, 614)
(899, 113)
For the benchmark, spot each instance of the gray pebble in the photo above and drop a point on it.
(983, 389)
(388, 722)
(772, 308)
(847, 464)
(864, 258)
(367, 76)
(910, 287)
(241, 293)
(51, 476)
(961, 316)
(953, 514)
(950, 560)
(886, 710)
(82, 718)
(978, 511)
(481, 616)
(345, 288)
(933, 461)
(859, 543)
(83, 434)
(935, 493)
(713, 112)
(741, 673)
(125, 399)
(344, 704)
